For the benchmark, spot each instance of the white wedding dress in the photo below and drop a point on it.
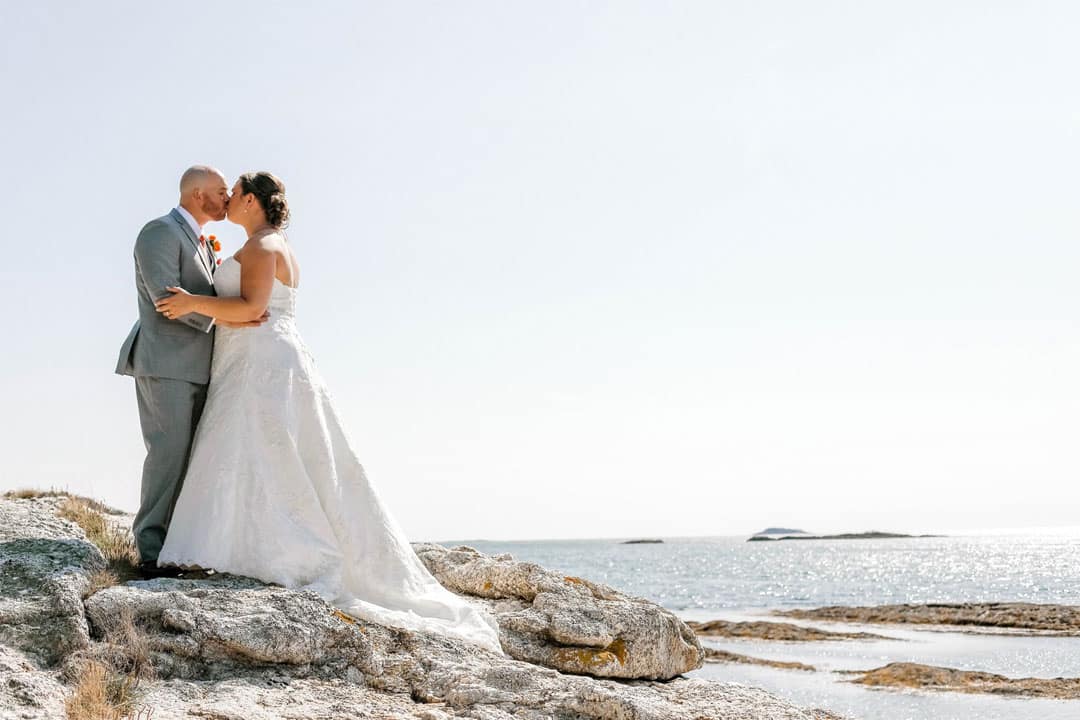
(275, 491)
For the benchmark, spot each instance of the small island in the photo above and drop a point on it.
(641, 542)
(870, 535)
(781, 531)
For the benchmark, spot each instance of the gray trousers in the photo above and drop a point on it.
(169, 411)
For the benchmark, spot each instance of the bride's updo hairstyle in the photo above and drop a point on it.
(270, 192)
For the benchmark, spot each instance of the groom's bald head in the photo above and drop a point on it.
(198, 176)
(203, 193)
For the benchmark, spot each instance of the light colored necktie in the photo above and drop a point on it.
(204, 248)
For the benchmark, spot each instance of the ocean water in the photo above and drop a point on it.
(729, 578)
(728, 572)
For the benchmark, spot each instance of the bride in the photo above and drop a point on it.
(273, 488)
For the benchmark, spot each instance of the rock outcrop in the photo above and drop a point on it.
(714, 655)
(45, 568)
(776, 631)
(568, 623)
(25, 691)
(1031, 618)
(229, 648)
(931, 677)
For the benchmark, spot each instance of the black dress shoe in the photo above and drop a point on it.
(149, 569)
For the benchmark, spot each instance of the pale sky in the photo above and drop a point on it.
(585, 269)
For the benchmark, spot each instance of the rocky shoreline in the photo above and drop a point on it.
(1013, 618)
(78, 641)
(714, 655)
(775, 631)
(1009, 619)
(930, 677)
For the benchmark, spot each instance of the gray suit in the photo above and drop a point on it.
(170, 360)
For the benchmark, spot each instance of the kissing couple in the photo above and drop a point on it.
(248, 469)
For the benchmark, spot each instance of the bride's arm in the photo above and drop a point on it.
(256, 283)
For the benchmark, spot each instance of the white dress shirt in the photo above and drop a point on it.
(196, 227)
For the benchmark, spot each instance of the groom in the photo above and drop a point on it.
(170, 359)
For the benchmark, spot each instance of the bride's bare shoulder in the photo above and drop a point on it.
(266, 244)
(274, 244)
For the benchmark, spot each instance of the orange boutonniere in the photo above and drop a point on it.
(214, 244)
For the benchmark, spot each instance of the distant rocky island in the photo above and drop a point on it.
(781, 531)
(870, 535)
(645, 541)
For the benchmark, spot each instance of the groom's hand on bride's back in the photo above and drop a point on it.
(248, 324)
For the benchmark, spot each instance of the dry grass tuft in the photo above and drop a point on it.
(101, 694)
(101, 579)
(29, 493)
(115, 543)
(127, 648)
(107, 683)
(90, 700)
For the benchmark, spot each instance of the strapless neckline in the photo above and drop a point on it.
(276, 279)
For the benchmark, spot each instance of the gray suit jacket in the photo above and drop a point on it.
(167, 254)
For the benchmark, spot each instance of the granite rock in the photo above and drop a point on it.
(569, 623)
